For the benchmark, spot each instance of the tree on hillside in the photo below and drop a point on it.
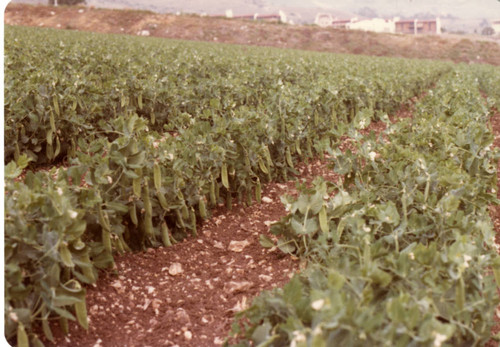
(66, 2)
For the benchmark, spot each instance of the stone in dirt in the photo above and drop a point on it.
(238, 246)
(182, 317)
(175, 269)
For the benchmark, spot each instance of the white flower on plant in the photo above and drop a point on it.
(59, 191)
(497, 247)
(110, 179)
(298, 337)
(366, 229)
(13, 316)
(439, 339)
(484, 151)
(317, 330)
(318, 304)
(72, 214)
(411, 256)
(372, 155)
(467, 258)
(362, 123)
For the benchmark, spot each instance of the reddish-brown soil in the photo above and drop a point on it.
(470, 49)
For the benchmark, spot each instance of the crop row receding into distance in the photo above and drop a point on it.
(158, 132)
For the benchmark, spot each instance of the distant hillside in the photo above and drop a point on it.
(299, 15)
(192, 27)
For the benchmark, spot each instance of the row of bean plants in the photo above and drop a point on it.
(115, 143)
(402, 252)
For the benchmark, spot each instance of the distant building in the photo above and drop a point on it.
(274, 17)
(414, 26)
(323, 20)
(418, 26)
(377, 25)
(496, 26)
(342, 23)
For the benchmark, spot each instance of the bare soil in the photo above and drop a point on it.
(470, 49)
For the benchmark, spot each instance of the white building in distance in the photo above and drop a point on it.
(377, 25)
(496, 26)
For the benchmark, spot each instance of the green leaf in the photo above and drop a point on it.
(46, 329)
(286, 247)
(336, 279)
(12, 170)
(81, 314)
(323, 222)
(65, 255)
(388, 213)
(225, 181)
(395, 310)
(137, 160)
(261, 333)
(265, 241)
(23, 161)
(293, 290)
(117, 206)
(22, 337)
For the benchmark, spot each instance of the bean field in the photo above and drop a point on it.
(117, 145)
